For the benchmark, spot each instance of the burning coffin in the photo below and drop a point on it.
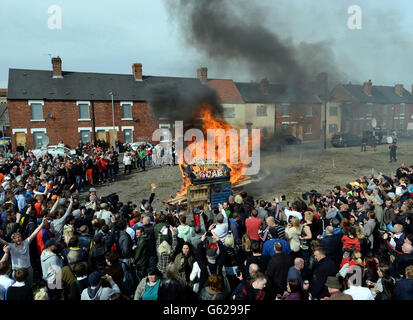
(209, 183)
(207, 172)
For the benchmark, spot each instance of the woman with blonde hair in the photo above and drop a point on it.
(292, 233)
(307, 234)
(348, 263)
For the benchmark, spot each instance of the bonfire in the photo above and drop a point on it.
(233, 151)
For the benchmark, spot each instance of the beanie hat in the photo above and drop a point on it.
(94, 278)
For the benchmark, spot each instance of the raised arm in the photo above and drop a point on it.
(36, 231)
(6, 250)
(55, 205)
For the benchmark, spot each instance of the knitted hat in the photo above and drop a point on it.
(94, 278)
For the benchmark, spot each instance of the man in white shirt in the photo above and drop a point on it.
(221, 228)
(104, 214)
(356, 290)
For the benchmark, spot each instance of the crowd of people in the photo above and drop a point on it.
(354, 242)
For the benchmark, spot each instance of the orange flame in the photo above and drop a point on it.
(210, 122)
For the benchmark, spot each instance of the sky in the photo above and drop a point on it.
(108, 36)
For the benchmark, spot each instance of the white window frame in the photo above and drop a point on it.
(30, 102)
(329, 111)
(404, 109)
(369, 105)
(84, 129)
(230, 108)
(32, 130)
(311, 128)
(282, 110)
(83, 102)
(126, 103)
(264, 107)
(306, 109)
(14, 131)
(106, 128)
(132, 128)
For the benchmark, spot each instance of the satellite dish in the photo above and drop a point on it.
(46, 141)
(373, 122)
(389, 140)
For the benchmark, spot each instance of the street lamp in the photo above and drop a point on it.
(113, 119)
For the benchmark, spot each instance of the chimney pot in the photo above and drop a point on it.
(137, 71)
(202, 74)
(57, 67)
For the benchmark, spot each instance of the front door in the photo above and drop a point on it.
(20, 138)
(112, 136)
(38, 139)
(101, 135)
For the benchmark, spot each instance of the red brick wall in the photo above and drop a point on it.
(297, 114)
(64, 125)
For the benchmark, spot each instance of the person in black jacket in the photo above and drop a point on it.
(323, 269)
(172, 287)
(209, 260)
(332, 245)
(19, 290)
(277, 269)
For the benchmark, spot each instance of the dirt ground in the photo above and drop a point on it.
(295, 170)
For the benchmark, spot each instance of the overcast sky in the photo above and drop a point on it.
(108, 36)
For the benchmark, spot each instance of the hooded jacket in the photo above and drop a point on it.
(99, 293)
(51, 264)
(185, 232)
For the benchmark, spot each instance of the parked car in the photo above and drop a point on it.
(5, 140)
(54, 151)
(135, 145)
(345, 140)
(290, 139)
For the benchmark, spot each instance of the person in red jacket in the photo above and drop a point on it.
(253, 225)
(102, 164)
(350, 241)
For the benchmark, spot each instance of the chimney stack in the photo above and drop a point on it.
(264, 86)
(398, 89)
(137, 71)
(367, 87)
(202, 74)
(57, 67)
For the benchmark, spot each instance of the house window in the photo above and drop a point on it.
(369, 109)
(37, 111)
(332, 128)
(309, 111)
(285, 112)
(229, 112)
(308, 127)
(127, 135)
(401, 124)
(126, 111)
(384, 124)
(333, 111)
(85, 136)
(84, 111)
(261, 111)
(83, 107)
(385, 109)
(402, 108)
(166, 134)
